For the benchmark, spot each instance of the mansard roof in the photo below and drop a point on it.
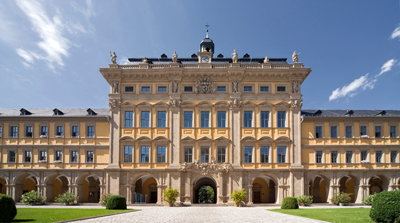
(351, 113)
(49, 112)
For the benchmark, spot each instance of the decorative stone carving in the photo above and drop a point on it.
(206, 168)
(175, 86)
(234, 57)
(115, 87)
(114, 103)
(113, 58)
(235, 103)
(295, 87)
(296, 103)
(295, 57)
(145, 60)
(204, 86)
(235, 86)
(175, 57)
(266, 60)
(175, 103)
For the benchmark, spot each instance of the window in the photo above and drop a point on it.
(334, 157)
(248, 152)
(248, 88)
(129, 119)
(221, 116)
(349, 156)
(60, 131)
(43, 131)
(221, 88)
(29, 131)
(188, 154)
(90, 131)
(264, 119)
(162, 89)
(14, 132)
(221, 154)
(281, 119)
(162, 119)
(145, 89)
(264, 89)
(205, 154)
(349, 132)
(144, 154)
(58, 155)
(11, 157)
(74, 156)
(75, 131)
(248, 118)
(161, 151)
(89, 156)
(129, 89)
(42, 155)
(318, 157)
(188, 119)
(145, 119)
(28, 156)
(333, 131)
(1, 131)
(128, 154)
(392, 131)
(393, 156)
(188, 89)
(364, 155)
(281, 88)
(378, 157)
(363, 130)
(281, 154)
(205, 119)
(318, 132)
(378, 133)
(264, 156)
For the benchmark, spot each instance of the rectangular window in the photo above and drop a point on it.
(363, 130)
(188, 119)
(264, 88)
(378, 157)
(162, 119)
(129, 119)
(364, 155)
(28, 156)
(89, 157)
(318, 132)
(128, 154)
(162, 89)
(281, 119)
(188, 154)
(129, 89)
(334, 157)
(333, 131)
(58, 155)
(14, 132)
(74, 156)
(188, 89)
(349, 133)
(90, 133)
(60, 131)
(75, 131)
(264, 156)
(281, 89)
(392, 132)
(378, 133)
(221, 154)
(221, 119)
(248, 154)
(205, 153)
(264, 119)
(349, 156)
(248, 88)
(42, 155)
(205, 118)
(318, 157)
(11, 157)
(1, 131)
(393, 156)
(221, 88)
(161, 151)
(29, 131)
(145, 119)
(248, 119)
(144, 154)
(146, 89)
(281, 154)
(43, 131)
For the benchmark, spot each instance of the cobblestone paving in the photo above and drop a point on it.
(202, 214)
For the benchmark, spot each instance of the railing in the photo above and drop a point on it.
(196, 65)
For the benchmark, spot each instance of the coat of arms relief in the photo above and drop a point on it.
(204, 86)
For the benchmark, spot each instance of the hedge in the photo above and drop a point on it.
(386, 207)
(116, 202)
(8, 211)
(289, 203)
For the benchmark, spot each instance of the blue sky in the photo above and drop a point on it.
(51, 50)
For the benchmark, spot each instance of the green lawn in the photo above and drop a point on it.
(337, 215)
(59, 214)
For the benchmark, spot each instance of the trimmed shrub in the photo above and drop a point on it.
(104, 199)
(66, 198)
(289, 203)
(32, 197)
(7, 208)
(386, 207)
(116, 202)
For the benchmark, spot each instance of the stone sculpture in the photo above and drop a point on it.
(175, 85)
(175, 57)
(234, 57)
(295, 87)
(295, 57)
(113, 58)
(235, 86)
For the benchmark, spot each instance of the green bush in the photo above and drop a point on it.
(341, 197)
(368, 199)
(32, 197)
(289, 203)
(66, 198)
(170, 195)
(386, 207)
(7, 208)
(116, 202)
(104, 199)
(305, 199)
(239, 196)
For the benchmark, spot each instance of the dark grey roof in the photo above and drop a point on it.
(214, 60)
(348, 113)
(48, 112)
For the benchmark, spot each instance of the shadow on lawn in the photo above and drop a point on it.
(23, 220)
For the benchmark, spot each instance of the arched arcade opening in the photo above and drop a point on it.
(24, 184)
(204, 182)
(349, 184)
(378, 184)
(318, 189)
(3, 186)
(56, 185)
(89, 188)
(145, 190)
(263, 190)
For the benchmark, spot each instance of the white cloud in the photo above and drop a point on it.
(387, 66)
(395, 33)
(123, 61)
(88, 11)
(26, 65)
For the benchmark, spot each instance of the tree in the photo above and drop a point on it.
(206, 194)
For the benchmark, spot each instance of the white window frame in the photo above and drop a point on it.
(337, 130)
(8, 155)
(145, 85)
(382, 132)
(337, 156)
(249, 144)
(145, 109)
(193, 117)
(222, 85)
(286, 152)
(162, 85)
(86, 156)
(322, 156)
(248, 85)
(263, 109)
(55, 156)
(187, 145)
(164, 144)
(208, 147)
(352, 130)
(253, 111)
(209, 116)
(269, 152)
(368, 155)
(123, 152)
(317, 124)
(70, 155)
(226, 117)
(280, 109)
(24, 155)
(366, 124)
(264, 85)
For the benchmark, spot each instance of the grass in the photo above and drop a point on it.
(59, 214)
(337, 215)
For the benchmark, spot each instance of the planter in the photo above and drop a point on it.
(302, 204)
(342, 204)
(171, 204)
(66, 204)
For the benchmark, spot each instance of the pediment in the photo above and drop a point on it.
(266, 104)
(144, 103)
(161, 104)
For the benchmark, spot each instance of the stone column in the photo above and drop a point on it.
(48, 192)
(250, 194)
(277, 195)
(332, 190)
(220, 187)
(175, 135)
(187, 176)
(295, 111)
(159, 194)
(11, 188)
(235, 133)
(114, 133)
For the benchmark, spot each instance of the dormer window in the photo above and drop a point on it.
(57, 112)
(318, 113)
(349, 113)
(91, 112)
(24, 112)
(382, 113)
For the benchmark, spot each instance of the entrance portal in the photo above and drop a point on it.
(202, 190)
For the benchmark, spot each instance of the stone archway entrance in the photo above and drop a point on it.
(318, 190)
(204, 181)
(263, 190)
(145, 190)
(349, 185)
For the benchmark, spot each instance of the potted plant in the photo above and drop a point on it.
(32, 198)
(66, 198)
(170, 196)
(304, 200)
(239, 197)
(341, 198)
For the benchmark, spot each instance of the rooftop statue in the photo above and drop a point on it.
(144, 60)
(175, 57)
(266, 60)
(295, 57)
(113, 58)
(234, 57)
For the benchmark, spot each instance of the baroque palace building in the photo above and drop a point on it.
(228, 123)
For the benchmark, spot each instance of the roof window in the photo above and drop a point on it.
(57, 112)
(24, 112)
(91, 112)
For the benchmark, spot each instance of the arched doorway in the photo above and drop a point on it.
(263, 190)
(198, 184)
(318, 190)
(3, 189)
(145, 190)
(24, 184)
(88, 188)
(378, 184)
(347, 185)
